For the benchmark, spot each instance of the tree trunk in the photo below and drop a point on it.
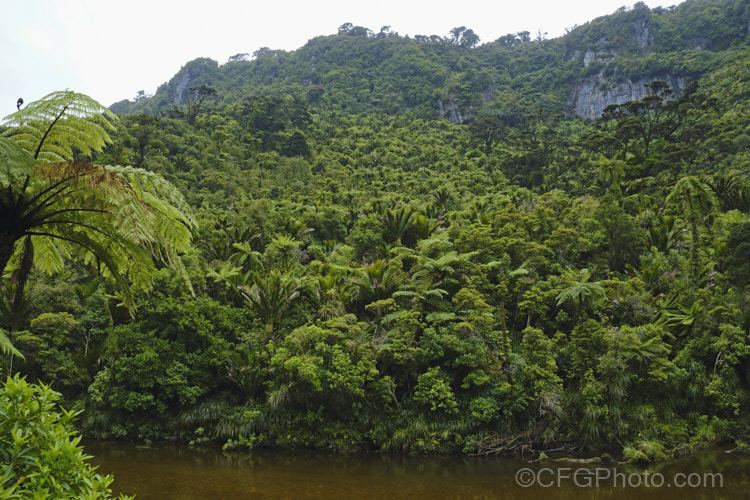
(20, 277)
(7, 244)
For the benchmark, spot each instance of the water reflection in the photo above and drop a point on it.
(178, 472)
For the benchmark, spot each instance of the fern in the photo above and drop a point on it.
(117, 219)
(6, 347)
(16, 164)
(62, 122)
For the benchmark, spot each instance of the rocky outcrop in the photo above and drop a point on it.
(201, 71)
(599, 55)
(592, 95)
(184, 82)
(642, 35)
(488, 93)
(449, 109)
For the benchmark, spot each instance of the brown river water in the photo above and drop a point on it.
(178, 472)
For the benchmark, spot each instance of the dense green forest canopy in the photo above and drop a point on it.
(424, 244)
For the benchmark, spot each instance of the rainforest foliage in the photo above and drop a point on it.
(40, 448)
(368, 275)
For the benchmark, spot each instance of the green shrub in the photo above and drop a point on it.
(41, 456)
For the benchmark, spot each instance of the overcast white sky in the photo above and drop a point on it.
(111, 49)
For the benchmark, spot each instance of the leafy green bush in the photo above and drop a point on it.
(40, 448)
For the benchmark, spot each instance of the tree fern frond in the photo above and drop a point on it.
(570, 294)
(422, 281)
(440, 317)
(175, 263)
(6, 346)
(435, 293)
(118, 265)
(83, 175)
(401, 251)
(437, 244)
(15, 162)
(47, 256)
(59, 123)
(154, 187)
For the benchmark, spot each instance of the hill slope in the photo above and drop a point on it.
(368, 275)
(602, 62)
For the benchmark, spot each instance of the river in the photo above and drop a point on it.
(162, 472)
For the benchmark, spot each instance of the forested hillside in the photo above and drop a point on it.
(427, 244)
(453, 76)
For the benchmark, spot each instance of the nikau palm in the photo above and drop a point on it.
(271, 297)
(53, 208)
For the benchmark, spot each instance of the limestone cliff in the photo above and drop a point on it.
(451, 110)
(198, 72)
(593, 94)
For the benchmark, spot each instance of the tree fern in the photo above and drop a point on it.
(117, 219)
(580, 290)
